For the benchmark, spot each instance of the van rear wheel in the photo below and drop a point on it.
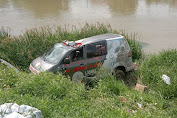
(119, 74)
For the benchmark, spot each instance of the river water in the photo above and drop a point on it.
(155, 21)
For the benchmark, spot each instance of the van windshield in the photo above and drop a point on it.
(54, 54)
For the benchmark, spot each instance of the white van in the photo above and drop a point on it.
(81, 58)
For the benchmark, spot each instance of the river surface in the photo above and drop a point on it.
(154, 20)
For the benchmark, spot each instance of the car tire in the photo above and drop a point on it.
(119, 74)
(78, 77)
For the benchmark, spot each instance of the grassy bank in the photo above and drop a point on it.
(20, 51)
(57, 96)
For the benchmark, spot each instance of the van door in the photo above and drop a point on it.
(73, 65)
(95, 56)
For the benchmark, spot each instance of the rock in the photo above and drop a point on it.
(14, 115)
(15, 107)
(13, 110)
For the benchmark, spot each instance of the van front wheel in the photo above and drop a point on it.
(119, 74)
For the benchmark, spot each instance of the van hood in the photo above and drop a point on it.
(39, 65)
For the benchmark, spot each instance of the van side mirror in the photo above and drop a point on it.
(66, 61)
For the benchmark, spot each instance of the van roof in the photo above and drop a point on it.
(98, 38)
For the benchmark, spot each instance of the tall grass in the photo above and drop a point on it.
(20, 51)
(135, 46)
(4, 32)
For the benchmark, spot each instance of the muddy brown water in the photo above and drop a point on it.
(154, 20)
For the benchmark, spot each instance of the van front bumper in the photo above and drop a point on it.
(33, 70)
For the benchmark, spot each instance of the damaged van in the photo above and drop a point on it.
(82, 58)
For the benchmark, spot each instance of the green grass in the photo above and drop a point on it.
(154, 66)
(20, 51)
(57, 96)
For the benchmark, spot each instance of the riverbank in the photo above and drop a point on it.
(57, 96)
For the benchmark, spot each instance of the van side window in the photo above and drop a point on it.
(96, 49)
(74, 56)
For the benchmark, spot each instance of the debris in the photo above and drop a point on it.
(140, 88)
(134, 111)
(128, 110)
(166, 79)
(140, 105)
(123, 99)
(8, 64)
(13, 110)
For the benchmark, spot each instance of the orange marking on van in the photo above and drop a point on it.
(67, 70)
